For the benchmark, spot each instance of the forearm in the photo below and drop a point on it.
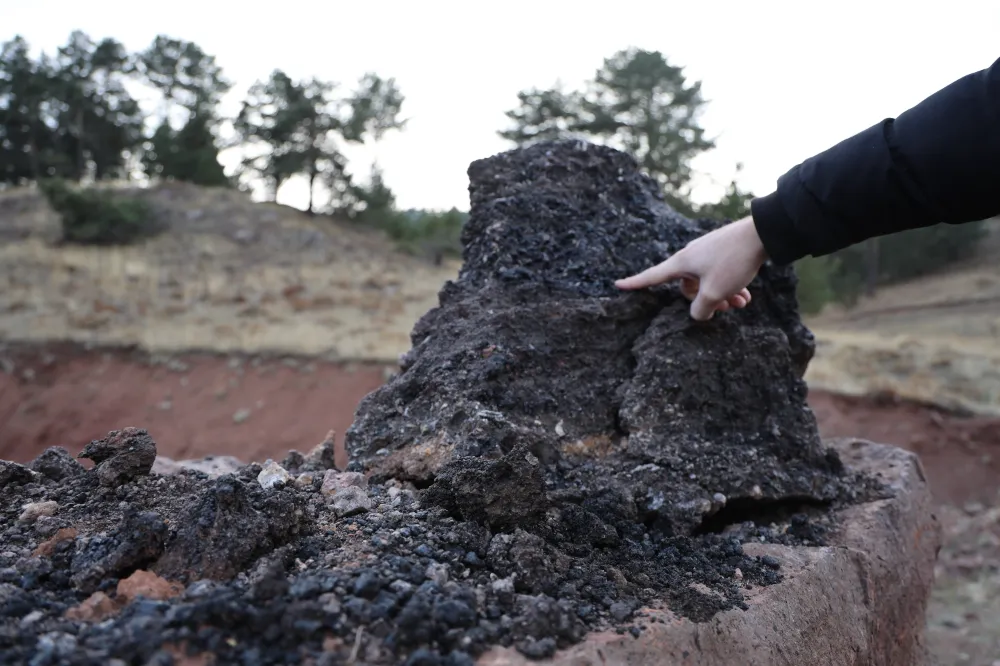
(937, 162)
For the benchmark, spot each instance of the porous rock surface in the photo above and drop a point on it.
(859, 601)
(534, 350)
(556, 462)
(239, 573)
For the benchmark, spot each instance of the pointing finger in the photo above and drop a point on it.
(670, 269)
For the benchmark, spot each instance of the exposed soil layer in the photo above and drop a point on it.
(961, 453)
(303, 398)
(194, 405)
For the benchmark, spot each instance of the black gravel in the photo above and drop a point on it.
(271, 577)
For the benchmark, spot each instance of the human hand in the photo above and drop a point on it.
(714, 269)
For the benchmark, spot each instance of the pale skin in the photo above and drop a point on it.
(714, 269)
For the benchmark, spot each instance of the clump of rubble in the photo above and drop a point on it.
(322, 565)
(554, 457)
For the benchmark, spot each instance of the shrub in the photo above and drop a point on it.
(430, 234)
(97, 217)
(814, 288)
(844, 275)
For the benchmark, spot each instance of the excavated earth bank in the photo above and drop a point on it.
(561, 470)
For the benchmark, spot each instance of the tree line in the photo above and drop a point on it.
(72, 115)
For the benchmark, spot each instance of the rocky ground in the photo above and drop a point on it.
(297, 561)
(960, 455)
(152, 562)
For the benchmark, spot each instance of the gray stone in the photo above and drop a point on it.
(213, 466)
(272, 474)
(350, 501)
(334, 481)
(35, 510)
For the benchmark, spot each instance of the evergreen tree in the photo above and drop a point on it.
(191, 84)
(637, 102)
(99, 124)
(296, 128)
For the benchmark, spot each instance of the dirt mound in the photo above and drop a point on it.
(534, 352)
(554, 457)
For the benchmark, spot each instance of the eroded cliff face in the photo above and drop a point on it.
(533, 352)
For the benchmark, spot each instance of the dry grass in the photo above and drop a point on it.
(956, 373)
(235, 276)
(935, 339)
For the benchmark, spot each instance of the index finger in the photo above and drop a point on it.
(671, 269)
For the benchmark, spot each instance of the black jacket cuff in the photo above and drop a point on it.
(776, 229)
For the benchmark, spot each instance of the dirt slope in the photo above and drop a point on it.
(239, 277)
(935, 339)
(231, 276)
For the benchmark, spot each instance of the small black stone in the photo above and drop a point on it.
(424, 657)
(367, 585)
(454, 613)
(538, 649)
(620, 611)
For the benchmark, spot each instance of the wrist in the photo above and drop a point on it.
(751, 239)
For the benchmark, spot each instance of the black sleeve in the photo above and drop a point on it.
(938, 162)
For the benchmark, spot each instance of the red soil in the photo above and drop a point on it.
(191, 406)
(66, 396)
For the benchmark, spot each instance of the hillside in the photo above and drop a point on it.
(935, 339)
(240, 280)
(231, 275)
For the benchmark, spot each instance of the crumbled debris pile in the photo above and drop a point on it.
(554, 457)
(162, 567)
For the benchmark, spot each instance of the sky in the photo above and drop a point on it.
(783, 79)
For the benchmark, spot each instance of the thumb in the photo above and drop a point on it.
(703, 307)
(671, 269)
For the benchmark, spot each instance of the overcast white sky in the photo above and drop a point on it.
(785, 79)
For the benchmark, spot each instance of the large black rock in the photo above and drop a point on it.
(534, 354)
